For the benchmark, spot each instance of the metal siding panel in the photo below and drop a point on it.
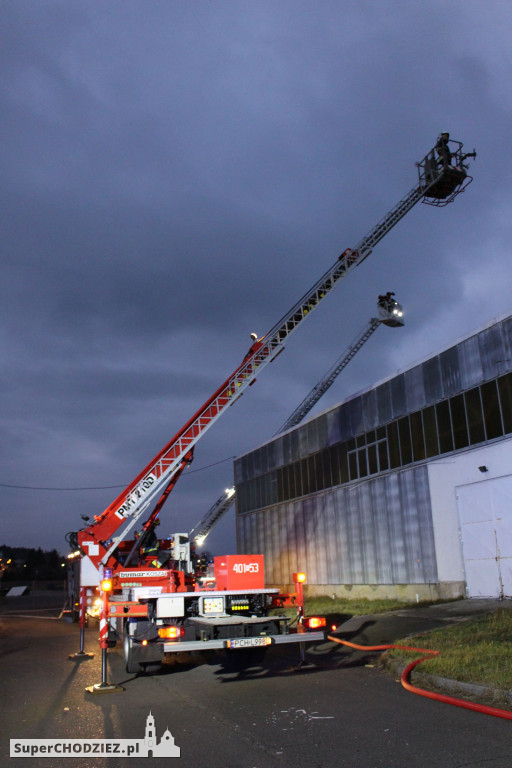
(432, 380)
(491, 351)
(271, 454)
(318, 540)
(241, 535)
(283, 539)
(411, 528)
(311, 434)
(322, 431)
(355, 410)
(384, 402)
(344, 422)
(278, 456)
(470, 362)
(450, 371)
(239, 471)
(273, 544)
(292, 539)
(397, 541)
(296, 443)
(355, 537)
(343, 536)
(370, 411)
(331, 551)
(311, 548)
(414, 389)
(287, 449)
(427, 541)
(398, 403)
(300, 533)
(382, 535)
(368, 535)
(506, 332)
(333, 427)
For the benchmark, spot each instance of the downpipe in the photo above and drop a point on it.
(404, 679)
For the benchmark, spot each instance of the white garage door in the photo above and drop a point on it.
(485, 512)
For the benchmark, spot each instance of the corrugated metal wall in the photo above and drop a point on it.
(473, 361)
(375, 532)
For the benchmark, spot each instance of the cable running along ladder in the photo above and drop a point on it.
(150, 483)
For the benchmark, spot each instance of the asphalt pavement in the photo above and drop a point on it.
(331, 711)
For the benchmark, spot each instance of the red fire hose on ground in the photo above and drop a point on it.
(404, 679)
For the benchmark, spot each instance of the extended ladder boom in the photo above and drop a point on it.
(392, 316)
(149, 484)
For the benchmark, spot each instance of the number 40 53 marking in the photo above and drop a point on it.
(246, 567)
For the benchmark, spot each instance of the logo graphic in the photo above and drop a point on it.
(146, 747)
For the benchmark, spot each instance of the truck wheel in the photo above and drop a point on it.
(132, 667)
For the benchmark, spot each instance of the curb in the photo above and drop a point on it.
(397, 666)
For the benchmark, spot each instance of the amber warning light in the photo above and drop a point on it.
(314, 622)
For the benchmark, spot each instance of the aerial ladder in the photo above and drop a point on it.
(141, 591)
(390, 313)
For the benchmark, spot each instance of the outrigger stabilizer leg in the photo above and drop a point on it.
(104, 687)
(81, 655)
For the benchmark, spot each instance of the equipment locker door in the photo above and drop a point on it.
(485, 514)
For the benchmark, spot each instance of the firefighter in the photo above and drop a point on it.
(443, 150)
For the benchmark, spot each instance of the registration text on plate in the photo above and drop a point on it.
(248, 642)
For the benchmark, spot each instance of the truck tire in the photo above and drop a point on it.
(132, 667)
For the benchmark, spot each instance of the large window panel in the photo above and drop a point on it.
(393, 445)
(297, 468)
(343, 463)
(460, 429)
(430, 431)
(383, 455)
(475, 416)
(505, 391)
(444, 427)
(335, 457)
(312, 474)
(405, 440)
(418, 444)
(319, 472)
(492, 414)
(304, 469)
(352, 465)
(362, 462)
(373, 467)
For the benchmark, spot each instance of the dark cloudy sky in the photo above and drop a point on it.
(177, 174)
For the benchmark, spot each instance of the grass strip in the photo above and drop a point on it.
(472, 651)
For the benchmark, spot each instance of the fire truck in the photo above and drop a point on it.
(150, 594)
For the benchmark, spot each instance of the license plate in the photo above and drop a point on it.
(248, 642)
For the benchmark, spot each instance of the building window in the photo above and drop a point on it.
(492, 413)
(479, 414)
(444, 427)
(393, 445)
(505, 394)
(405, 440)
(418, 443)
(460, 429)
(475, 416)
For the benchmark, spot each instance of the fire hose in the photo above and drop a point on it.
(404, 679)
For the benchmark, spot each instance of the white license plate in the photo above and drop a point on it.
(248, 642)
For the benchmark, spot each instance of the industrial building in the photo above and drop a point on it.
(403, 490)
